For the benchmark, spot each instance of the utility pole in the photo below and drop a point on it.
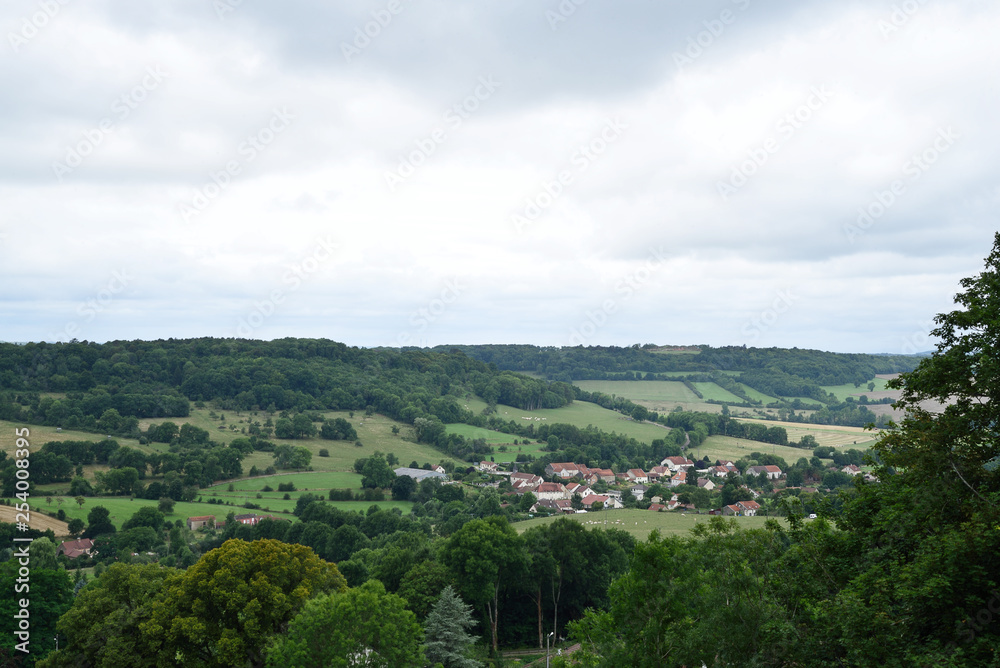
(547, 648)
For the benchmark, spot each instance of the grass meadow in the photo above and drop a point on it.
(640, 523)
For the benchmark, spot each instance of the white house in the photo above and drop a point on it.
(772, 471)
(637, 475)
(552, 491)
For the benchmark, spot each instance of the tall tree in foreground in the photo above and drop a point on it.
(448, 641)
(487, 556)
(224, 609)
(363, 626)
(102, 627)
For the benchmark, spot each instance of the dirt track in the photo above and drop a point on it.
(38, 521)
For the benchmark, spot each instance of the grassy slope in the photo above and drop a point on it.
(717, 393)
(640, 523)
(850, 437)
(122, 508)
(726, 447)
(848, 389)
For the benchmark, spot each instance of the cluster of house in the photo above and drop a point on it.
(671, 473)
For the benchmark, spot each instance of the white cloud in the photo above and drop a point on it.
(828, 107)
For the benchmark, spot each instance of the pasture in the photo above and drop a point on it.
(655, 391)
(498, 439)
(640, 523)
(39, 436)
(122, 508)
(711, 391)
(848, 389)
(836, 436)
(727, 447)
(583, 413)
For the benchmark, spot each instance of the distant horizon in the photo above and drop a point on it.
(446, 345)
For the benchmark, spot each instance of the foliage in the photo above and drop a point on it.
(487, 558)
(448, 640)
(50, 594)
(359, 626)
(224, 609)
(102, 626)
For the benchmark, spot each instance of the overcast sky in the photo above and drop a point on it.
(807, 174)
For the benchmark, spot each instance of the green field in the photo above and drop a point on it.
(123, 508)
(641, 390)
(583, 413)
(757, 395)
(39, 436)
(711, 391)
(664, 396)
(640, 523)
(848, 389)
(302, 481)
(848, 437)
(727, 447)
(374, 432)
(497, 439)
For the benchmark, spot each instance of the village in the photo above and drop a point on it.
(575, 488)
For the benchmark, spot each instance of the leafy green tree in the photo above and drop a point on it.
(102, 626)
(422, 585)
(226, 607)
(98, 522)
(43, 554)
(291, 457)
(487, 557)
(448, 639)
(165, 505)
(147, 516)
(376, 472)
(338, 429)
(137, 539)
(50, 595)
(360, 626)
(403, 488)
(284, 428)
(303, 426)
(76, 526)
(527, 501)
(120, 482)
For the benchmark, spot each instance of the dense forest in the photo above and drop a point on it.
(770, 367)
